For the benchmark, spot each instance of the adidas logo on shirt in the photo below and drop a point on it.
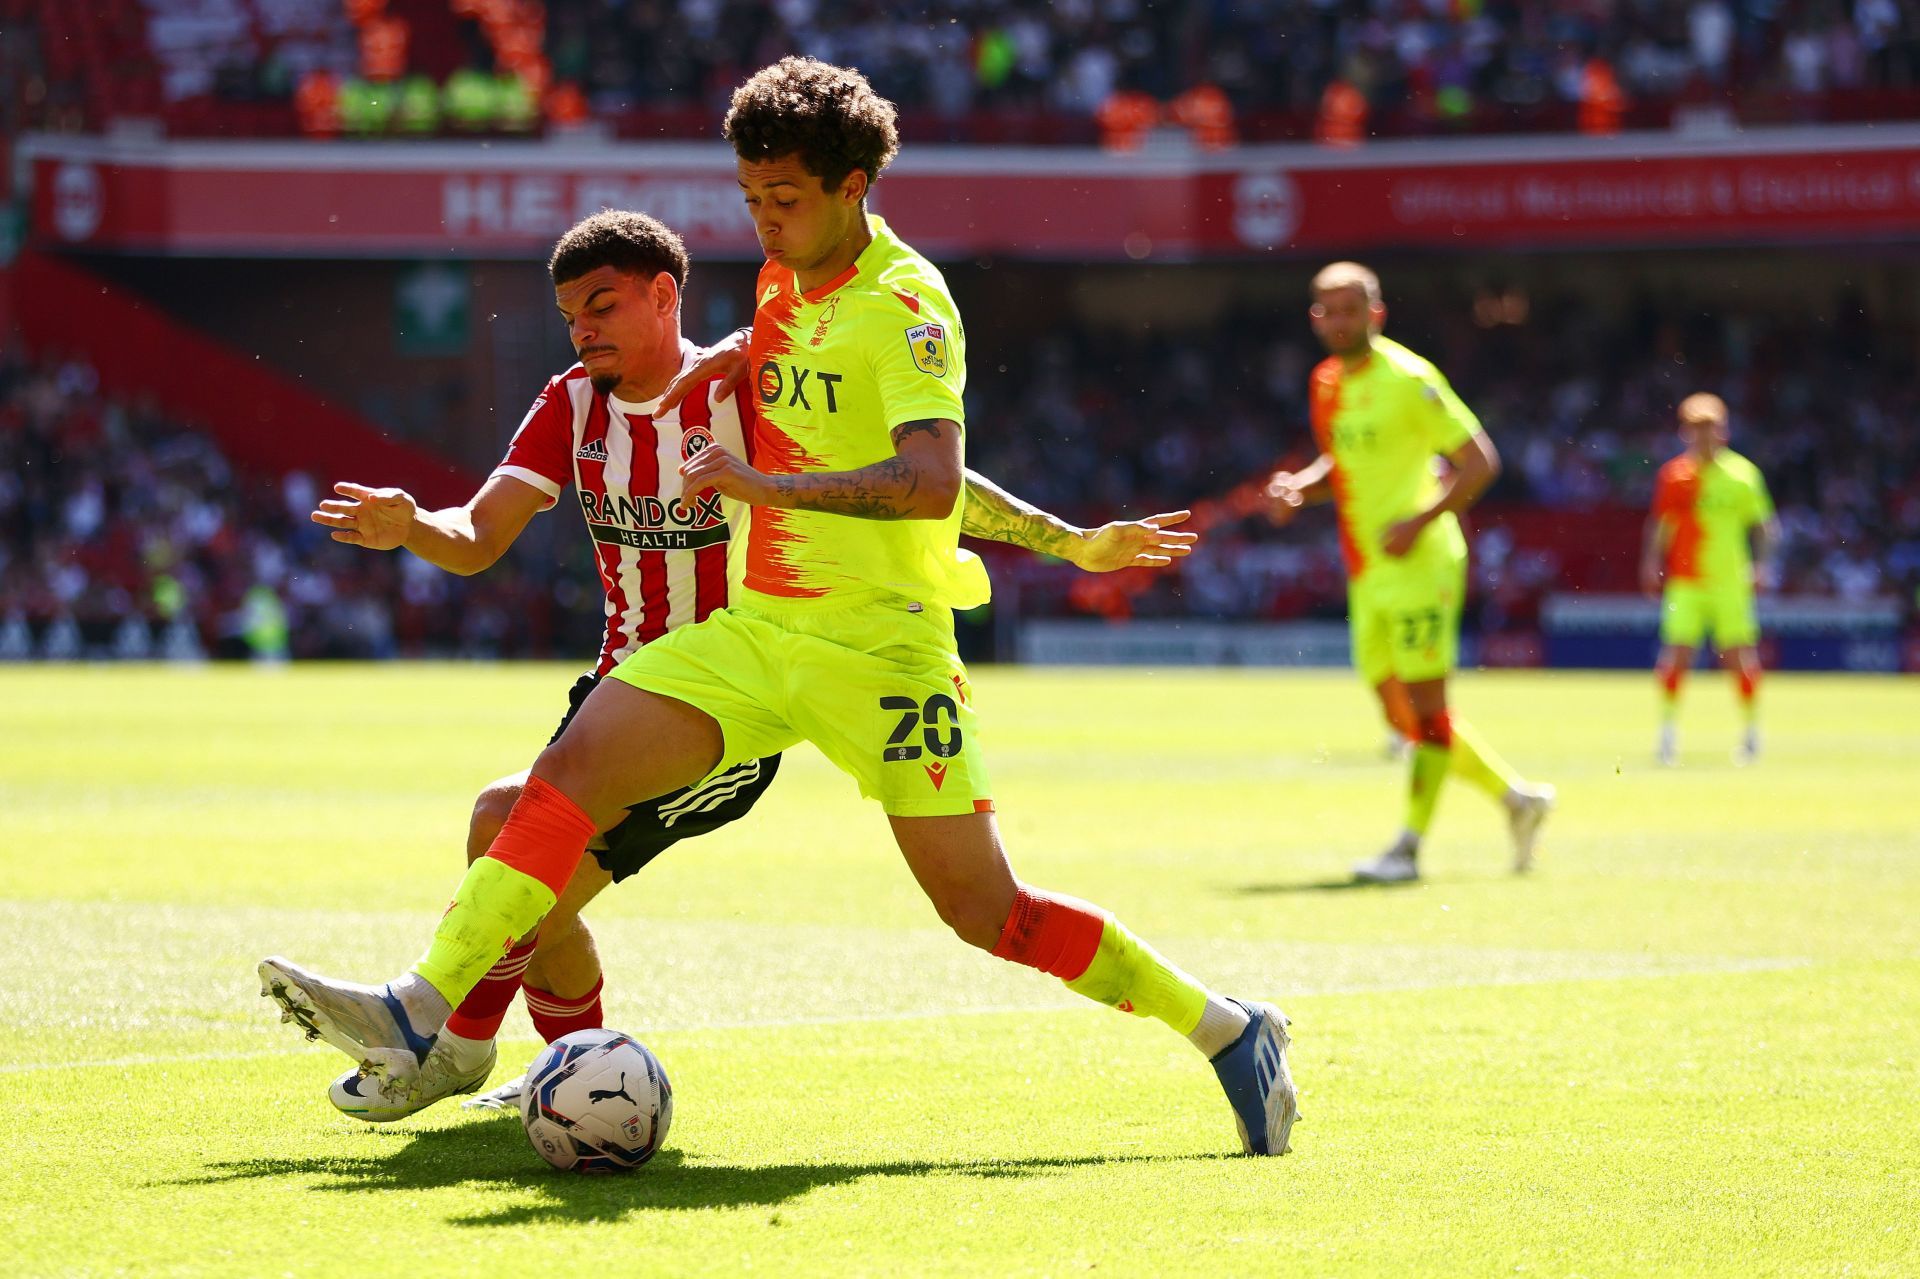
(596, 451)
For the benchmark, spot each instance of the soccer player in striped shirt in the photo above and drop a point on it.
(1709, 505)
(607, 428)
(1381, 416)
(839, 629)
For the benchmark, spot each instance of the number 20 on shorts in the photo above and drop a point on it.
(938, 720)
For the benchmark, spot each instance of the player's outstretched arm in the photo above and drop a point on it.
(461, 539)
(998, 516)
(1288, 491)
(921, 481)
(727, 357)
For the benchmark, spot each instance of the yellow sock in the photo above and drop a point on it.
(1478, 764)
(1426, 774)
(1132, 976)
(494, 906)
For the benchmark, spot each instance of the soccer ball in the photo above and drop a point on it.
(596, 1101)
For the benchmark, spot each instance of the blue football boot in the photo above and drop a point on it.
(1253, 1070)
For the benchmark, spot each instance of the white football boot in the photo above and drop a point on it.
(1748, 751)
(367, 1023)
(505, 1097)
(1668, 750)
(1395, 866)
(381, 1101)
(1526, 808)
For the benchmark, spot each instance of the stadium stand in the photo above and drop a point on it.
(1011, 70)
(1819, 409)
(1579, 403)
(110, 510)
(126, 533)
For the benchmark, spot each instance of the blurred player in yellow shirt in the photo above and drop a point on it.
(1381, 415)
(1709, 505)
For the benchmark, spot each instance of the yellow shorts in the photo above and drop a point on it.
(874, 681)
(1691, 611)
(1404, 618)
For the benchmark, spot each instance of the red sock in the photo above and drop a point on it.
(1436, 730)
(1670, 680)
(544, 836)
(554, 1016)
(485, 1007)
(1749, 682)
(1055, 934)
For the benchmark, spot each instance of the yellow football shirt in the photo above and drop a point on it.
(1708, 509)
(832, 372)
(1383, 423)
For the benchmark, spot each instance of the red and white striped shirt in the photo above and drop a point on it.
(662, 559)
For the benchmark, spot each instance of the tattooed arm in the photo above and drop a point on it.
(998, 516)
(921, 481)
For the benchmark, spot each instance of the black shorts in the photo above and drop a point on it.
(651, 828)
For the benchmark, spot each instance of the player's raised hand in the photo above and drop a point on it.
(1284, 498)
(378, 519)
(715, 468)
(727, 357)
(1148, 543)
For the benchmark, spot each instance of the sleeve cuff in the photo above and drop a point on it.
(951, 413)
(533, 478)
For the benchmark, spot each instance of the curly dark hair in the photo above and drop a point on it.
(624, 240)
(829, 116)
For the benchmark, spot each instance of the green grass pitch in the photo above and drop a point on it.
(1685, 1046)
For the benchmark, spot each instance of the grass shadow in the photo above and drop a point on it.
(1318, 886)
(494, 1154)
(1349, 884)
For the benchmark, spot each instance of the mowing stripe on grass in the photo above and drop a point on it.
(187, 972)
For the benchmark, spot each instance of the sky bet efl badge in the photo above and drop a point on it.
(929, 343)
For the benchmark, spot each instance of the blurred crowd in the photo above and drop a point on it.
(953, 56)
(123, 531)
(1580, 408)
(956, 67)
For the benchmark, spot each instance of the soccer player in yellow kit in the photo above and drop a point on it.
(838, 630)
(1708, 504)
(1381, 415)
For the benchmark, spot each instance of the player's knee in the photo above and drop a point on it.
(975, 917)
(568, 766)
(1435, 729)
(490, 812)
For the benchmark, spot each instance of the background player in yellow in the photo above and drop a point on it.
(1381, 415)
(839, 630)
(1710, 506)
